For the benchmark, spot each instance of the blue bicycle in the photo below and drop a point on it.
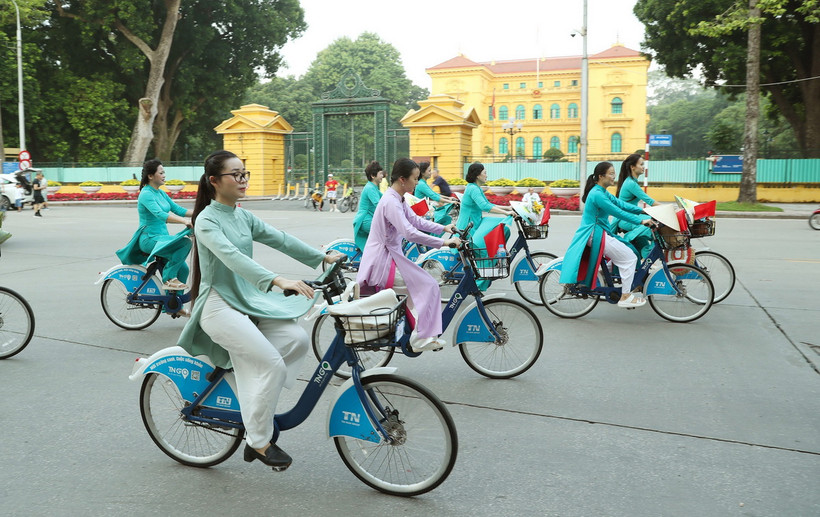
(497, 338)
(132, 295)
(394, 434)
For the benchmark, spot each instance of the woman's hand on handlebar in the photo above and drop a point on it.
(297, 286)
(333, 256)
(453, 242)
(450, 228)
(650, 223)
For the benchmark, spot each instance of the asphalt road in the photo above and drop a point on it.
(625, 414)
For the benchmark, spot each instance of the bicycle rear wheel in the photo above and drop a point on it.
(192, 444)
(692, 298)
(559, 300)
(129, 316)
(720, 272)
(354, 203)
(423, 445)
(528, 289)
(323, 334)
(446, 280)
(517, 349)
(16, 323)
(344, 205)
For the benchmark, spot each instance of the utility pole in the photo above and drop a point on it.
(20, 110)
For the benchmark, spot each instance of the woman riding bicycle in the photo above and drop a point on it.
(156, 209)
(474, 203)
(630, 192)
(595, 238)
(392, 221)
(367, 204)
(235, 318)
(423, 190)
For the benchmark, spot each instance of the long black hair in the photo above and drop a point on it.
(149, 168)
(592, 180)
(206, 193)
(474, 171)
(423, 166)
(626, 170)
(402, 168)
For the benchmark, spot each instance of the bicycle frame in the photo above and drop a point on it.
(144, 286)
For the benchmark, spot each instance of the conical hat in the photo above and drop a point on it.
(665, 214)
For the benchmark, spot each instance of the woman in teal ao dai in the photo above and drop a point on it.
(367, 203)
(474, 203)
(423, 190)
(630, 192)
(595, 238)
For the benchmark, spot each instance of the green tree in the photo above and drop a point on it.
(789, 50)
(553, 154)
(287, 95)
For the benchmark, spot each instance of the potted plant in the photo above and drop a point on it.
(525, 184)
(53, 186)
(501, 186)
(131, 186)
(565, 187)
(90, 187)
(174, 186)
(457, 184)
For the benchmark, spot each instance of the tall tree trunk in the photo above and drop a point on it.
(143, 132)
(748, 180)
(2, 142)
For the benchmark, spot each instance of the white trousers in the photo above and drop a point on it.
(266, 357)
(623, 257)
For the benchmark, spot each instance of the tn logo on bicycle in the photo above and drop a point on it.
(351, 417)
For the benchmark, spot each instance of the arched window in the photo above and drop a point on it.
(572, 110)
(490, 113)
(520, 112)
(537, 112)
(502, 113)
(615, 143)
(617, 105)
(555, 143)
(572, 144)
(555, 111)
(536, 147)
(503, 148)
(520, 147)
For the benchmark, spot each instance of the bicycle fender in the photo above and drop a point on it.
(347, 416)
(523, 271)
(189, 374)
(346, 246)
(555, 263)
(131, 278)
(470, 326)
(657, 283)
(446, 257)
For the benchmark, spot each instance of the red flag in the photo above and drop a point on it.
(682, 220)
(494, 239)
(492, 105)
(705, 210)
(420, 208)
(545, 217)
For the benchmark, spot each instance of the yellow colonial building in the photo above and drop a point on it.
(544, 95)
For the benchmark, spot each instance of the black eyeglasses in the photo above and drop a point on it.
(238, 175)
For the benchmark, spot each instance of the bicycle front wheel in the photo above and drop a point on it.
(515, 350)
(528, 289)
(560, 300)
(344, 205)
(720, 272)
(814, 221)
(423, 441)
(130, 316)
(16, 323)
(192, 444)
(692, 297)
(323, 334)
(354, 203)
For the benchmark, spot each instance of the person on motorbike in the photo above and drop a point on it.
(595, 239)
(367, 203)
(236, 320)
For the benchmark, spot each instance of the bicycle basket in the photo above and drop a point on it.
(535, 231)
(369, 321)
(489, 268)
(703, 227)
(670, 238)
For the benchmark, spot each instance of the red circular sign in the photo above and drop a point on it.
(24, 155)
(25, 164)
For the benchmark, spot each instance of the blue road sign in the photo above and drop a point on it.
(727, 164)
(660, 140)
(9, 167)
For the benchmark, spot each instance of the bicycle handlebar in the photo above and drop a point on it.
(333, 278)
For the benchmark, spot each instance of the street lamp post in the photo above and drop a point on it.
(582, 158)
(21, 112)
(511, 128)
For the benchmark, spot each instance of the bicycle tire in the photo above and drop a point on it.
(354, 203)
(558, 300)
(344, 205)
(814, 221)
(446, 285)
(529, 289)
(16, 323)
(323, 334)
(720, 271)
(129, 316)
(195, 445)
(425, 442)
(522, 339)
(694, 301)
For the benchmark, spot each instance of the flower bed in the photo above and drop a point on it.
(112, 196)
(555, 202)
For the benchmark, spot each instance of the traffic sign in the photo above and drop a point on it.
(24, 155)
(727, 164)
(660, 140)
(25, 164)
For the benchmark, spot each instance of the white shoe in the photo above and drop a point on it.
(632, 301)
(428, 344)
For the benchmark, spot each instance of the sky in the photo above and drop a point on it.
(429, 32)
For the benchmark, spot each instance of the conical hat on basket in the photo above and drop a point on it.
(665, 214)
